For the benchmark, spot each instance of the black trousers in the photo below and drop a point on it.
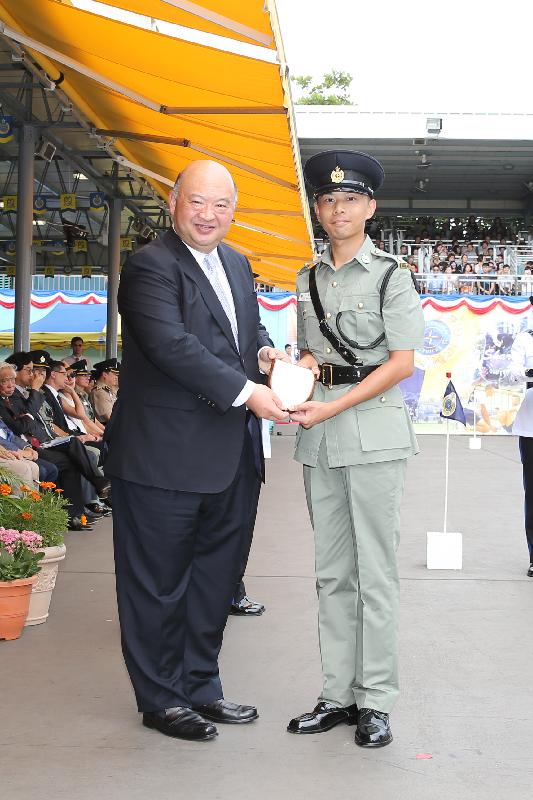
(177, 559)
(525, 444)
(69, 478)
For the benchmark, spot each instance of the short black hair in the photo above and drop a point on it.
(75, 339)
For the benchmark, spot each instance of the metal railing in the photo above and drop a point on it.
(483, 285)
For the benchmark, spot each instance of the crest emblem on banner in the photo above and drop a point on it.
(39, 204)
(97, 201)
(449, 404)
(67, 200)
(6, 129)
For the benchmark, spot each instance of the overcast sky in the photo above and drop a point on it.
(461, 55)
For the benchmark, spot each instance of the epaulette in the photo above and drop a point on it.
(309, 265)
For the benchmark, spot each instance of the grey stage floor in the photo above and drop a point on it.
(68, 724)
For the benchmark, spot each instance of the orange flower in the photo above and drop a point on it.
(25, 488)
(5, 489)
(36, 496)
(26, 515)
(58, 491)
(83, 519)
(47, 485)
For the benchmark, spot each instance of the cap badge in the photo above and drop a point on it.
(337, 175)
(42, 360)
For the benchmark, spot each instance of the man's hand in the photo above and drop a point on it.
(312, 412)
(309, 362)
(264, 403)
(29, 454)
(270, 354)
(38, 379)
(88, 437)
(9, 454)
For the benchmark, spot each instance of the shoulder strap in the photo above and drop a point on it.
(325, 330)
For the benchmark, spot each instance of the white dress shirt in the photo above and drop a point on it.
(71, 425)
(199, 257)
(522, 359)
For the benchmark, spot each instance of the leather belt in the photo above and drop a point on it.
(334, 375)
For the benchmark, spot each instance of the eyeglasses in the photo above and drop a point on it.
(60, 372)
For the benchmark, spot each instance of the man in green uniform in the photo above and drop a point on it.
(359, 322)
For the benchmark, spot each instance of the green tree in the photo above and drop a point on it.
(321, 94)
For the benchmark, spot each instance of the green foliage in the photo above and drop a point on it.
(319, 94)
(47, 516)
(22, 563)
(6, 476)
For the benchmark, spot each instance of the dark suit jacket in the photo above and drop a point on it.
(57, 410)
(173, 425)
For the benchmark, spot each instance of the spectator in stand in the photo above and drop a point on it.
(483, 248)
(478, 266)
(412, 263)
(472, 228)
(404, 251)
(498, 229)
(506, 282)
(450, 285)
(486, 284)
(471, 252)
(435, 261)
(464, 262)
(77, 345)
(526, 281)
(435, 281)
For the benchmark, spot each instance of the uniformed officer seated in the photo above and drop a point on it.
(359, 322)
(104, 393)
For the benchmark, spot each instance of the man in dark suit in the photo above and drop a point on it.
(185, 454)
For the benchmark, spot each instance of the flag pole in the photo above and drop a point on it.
(444, 528)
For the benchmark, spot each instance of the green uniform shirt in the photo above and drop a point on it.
(378, 429)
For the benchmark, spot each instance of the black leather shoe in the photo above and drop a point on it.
(372, 728)
(99, 509)
(102, 486)
(231, 713)
(530, 571)
(181, 723)
(246, 608)
(323, 718)
(75, 524)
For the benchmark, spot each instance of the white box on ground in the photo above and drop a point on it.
(444, 550)
(474, 443)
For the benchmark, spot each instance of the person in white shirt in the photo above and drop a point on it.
(77, 345)
(521, 371)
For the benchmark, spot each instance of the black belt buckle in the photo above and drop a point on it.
(323, 379)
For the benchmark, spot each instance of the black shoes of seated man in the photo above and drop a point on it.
(530, 571)
(102, 486)
(323, 718)
(99, 509)
(192, 724)
(246, 608)
(75, 524)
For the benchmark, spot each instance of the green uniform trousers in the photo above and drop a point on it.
(355, 514)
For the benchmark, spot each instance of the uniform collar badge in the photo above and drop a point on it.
(365, 258)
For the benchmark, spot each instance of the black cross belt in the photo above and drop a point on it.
(334, 375)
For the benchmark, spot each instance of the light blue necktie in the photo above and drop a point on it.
(212, 267)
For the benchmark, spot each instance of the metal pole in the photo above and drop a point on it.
(23, 271)
(113, 272)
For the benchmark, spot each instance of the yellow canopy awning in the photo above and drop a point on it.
(167, 101)
(243, 20)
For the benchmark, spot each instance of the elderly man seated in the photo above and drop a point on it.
(19, 456)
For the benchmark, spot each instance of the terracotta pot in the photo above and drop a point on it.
(14, 604)
(41, 593)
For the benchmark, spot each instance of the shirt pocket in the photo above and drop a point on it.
(383, 424)
(313, 336)
(359, 318)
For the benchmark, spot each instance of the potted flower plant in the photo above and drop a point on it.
(44, 513)
(19, 565)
